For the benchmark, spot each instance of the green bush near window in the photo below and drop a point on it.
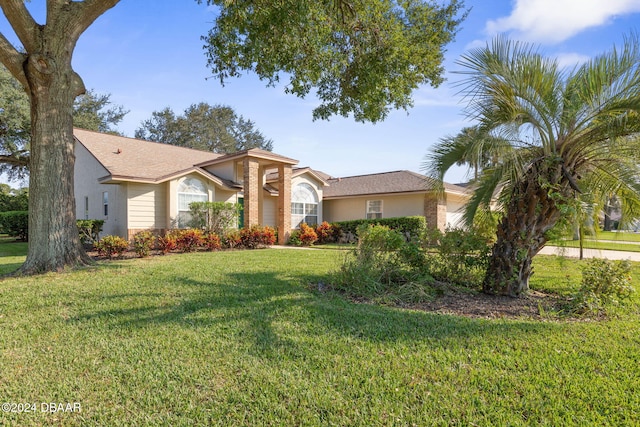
(89, 229)
(15, 224)
(215, 217)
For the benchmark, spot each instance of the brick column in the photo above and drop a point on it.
(435, 211)
(251, 192)
(284, 203)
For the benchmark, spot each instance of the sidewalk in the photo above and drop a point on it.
(590, 253)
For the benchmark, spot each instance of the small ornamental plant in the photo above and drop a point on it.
(325, 233)
(232, 239)
(212, 242)
(307, 235)
(143, 243)
(167, 243)
(189, 240)
(111, 246)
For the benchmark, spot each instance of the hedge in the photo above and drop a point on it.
(407, 225)
(15, 224)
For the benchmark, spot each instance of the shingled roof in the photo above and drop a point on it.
(137, 160)
(384, 183)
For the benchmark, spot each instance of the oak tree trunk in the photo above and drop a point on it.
(532, 211)
(53, 234)
(43, 67)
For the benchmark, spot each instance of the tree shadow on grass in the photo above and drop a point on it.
(258, 308)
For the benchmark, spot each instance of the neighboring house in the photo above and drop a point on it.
(139, 185)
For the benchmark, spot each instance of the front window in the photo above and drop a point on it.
(374, 209)
(304, 205)
(105, 203)
(190, 190)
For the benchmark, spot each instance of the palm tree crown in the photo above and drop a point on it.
(556, 134)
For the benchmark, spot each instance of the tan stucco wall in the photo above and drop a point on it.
(225, 170)
(356, 208)
(86, 175)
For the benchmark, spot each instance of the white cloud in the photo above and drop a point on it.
(553, 21)
(570, 60)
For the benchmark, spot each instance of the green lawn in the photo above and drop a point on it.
(242, 338)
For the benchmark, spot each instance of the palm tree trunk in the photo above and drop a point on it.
(531, 212)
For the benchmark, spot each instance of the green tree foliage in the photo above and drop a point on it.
(15, 126)
(12, 199)
(92, 111)
(561, 137)
(215, 128)
(361, 56)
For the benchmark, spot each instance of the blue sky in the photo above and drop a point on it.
(148, 55)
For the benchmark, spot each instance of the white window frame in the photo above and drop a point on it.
(374, 209)
(305, 205)
(193, 190)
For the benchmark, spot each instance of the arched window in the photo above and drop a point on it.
(189, 190)
(304, 205)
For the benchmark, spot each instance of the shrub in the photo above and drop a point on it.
(409, 226)
(216, 217)
(143, 243)
(15, 224)
(257, 237)
(604, 283)
(188, 240)
(294, 238)
(327, 233)
(378, 268)
(231, 239)
(307, 235)
(111, 246)
(457, 256)
(167, 243)
(89, 230)
(212, 241)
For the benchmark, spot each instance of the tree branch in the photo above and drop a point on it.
(77, 16)
(13, 60)
(22, 22)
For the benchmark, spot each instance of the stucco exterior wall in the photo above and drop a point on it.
(226, 170)
(87, 189)
(356, 208)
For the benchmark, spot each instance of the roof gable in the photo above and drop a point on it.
(135, 159)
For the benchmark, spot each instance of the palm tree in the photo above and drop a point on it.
(566, 132)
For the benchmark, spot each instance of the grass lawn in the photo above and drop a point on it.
(243, 338)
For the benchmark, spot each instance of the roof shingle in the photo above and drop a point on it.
(136, 159)
(384, 183)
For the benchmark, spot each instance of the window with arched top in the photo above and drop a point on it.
(304, 205)
(189, 190)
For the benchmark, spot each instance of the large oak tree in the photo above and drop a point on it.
(43, 67)
(362, 57)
